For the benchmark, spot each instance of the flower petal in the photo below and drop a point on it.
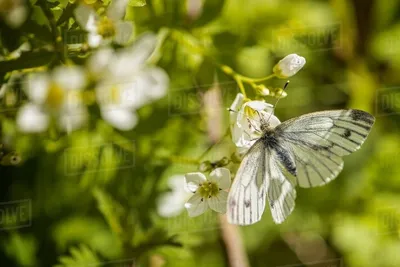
(196, 205)
(73, 118)
(86, 17)
(94, 39)
(260, 105)
(131, 60)
(120, 118)
(99, 62)
(218, 203)
(37, 87)
(170, 204)
(235, 107)
(69, 78)
(124, 30)
(176, 182)
(289, 66)
(143, 48)
(193, 180)
(222, 176)
(17, 16)
(116, 10)
(273, 121)
(31, 119)
(153, 82)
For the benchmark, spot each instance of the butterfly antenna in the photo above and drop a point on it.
(276, 103)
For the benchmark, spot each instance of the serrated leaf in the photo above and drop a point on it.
(80, 256)
(111, 209)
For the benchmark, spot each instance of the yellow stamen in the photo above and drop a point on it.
(106, 27)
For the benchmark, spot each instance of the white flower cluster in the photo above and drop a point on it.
(124, 82)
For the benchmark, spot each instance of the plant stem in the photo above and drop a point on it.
(256, 80)
(233, 244)
(57, 38)
(239, 81)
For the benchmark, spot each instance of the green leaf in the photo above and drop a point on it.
(210, 11)
(27, 60)
(137, 2)
(22, 248)
(111, 209)
(82, 256)
(39, 16)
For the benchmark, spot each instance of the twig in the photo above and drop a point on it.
(233, 244)
(57, 38)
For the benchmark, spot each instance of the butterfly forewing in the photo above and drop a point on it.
(319, 140)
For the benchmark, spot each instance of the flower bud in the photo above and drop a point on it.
(289, 66)
(205, 166)
(262, 90)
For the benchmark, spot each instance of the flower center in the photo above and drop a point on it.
(115, 95)
(55, 96)
(106, 27)
(208, 189)
(249, 112)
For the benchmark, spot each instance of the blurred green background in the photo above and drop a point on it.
(90, 197)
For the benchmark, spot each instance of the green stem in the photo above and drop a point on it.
(239, 81)
(57, 38)
(256, 80)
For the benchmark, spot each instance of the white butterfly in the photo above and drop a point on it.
(305, 151)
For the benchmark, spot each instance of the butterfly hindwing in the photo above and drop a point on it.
(281, 193)
(319, 140)
(246, 199)
(260, 176)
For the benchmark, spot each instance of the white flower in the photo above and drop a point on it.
(289, 66)
(127, 83)
(245, 121)
(208, 193)
(172, 203)
(14, 12)
(103, 30)
(56, 95)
